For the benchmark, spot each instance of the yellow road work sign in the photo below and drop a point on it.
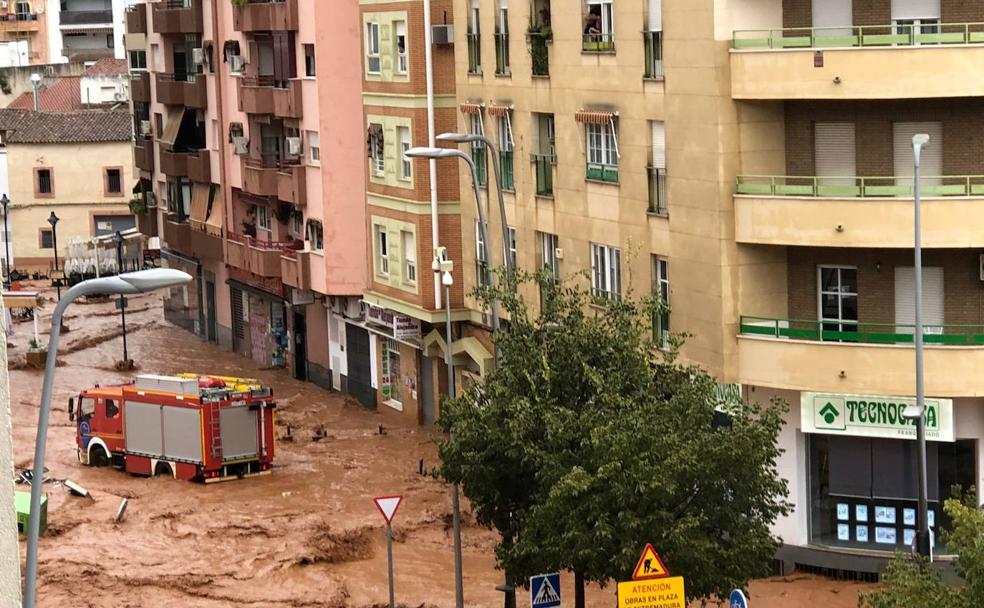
(656, 593)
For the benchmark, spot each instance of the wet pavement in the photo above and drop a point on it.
(308, 535)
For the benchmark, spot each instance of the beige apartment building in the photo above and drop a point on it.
(751, 160)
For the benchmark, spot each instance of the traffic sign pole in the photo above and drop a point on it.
(389, 557)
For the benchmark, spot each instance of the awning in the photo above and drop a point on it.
(594, 117)
(471, 108)
(213, 226)
(463, 350)
(199, 206)
(172, 124)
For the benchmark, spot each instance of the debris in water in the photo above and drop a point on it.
(320, 433)
(75, 489)
(121, 511)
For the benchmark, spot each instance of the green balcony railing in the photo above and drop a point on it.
(474, 53)
(598, 43)
(501, 54)
(860, 36)
(507, 172)
(858, 187)
(653, 44)
(540, 52)
(602, 173)
(860, 333)
(544, 164)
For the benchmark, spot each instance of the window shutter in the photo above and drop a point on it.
(931, 159)
(932, 297)
(835, 152)
(833, 14)
(659, 145)
(915, 9)
(656, 15)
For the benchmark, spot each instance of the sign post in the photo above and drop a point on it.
(651, 585)
(738, 599)
(388, 505)
(545, 591)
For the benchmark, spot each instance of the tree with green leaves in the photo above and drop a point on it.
(913, 581)
(587, 441)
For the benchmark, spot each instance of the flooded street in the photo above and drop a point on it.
(307, 535)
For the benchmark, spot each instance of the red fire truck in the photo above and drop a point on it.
(207, 428)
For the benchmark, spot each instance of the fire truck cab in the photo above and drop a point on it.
(205, 428)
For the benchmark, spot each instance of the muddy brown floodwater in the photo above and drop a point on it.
(306, 536)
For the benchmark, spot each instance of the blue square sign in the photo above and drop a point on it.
(545, 591)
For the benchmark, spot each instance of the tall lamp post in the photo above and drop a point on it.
(6, 242)
(917, 412)
(118, 239)
(53, 220)
(132, 283)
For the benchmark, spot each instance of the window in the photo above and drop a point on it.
(23, 10)
(114, 181)
(657, 169)
(481, 261)
(502, 40)
(402, 64)
(372, 48)
(111, 409)
(376, 149)
(602, 152)
(406, 164)
(315, 235)
(47, 240)
(158, 125)
(409, 256)
(44, 182)
(599, 26)
(478, 151)
(506, 156)
(138, 61)
(511, 249)
(264, 221)
(606, 272)
(382, 251)
(109, 41)
(87, 407)
(392, 377)
(838, 294)
(661, 324)
(310, 64)
(296, 229)
(549, 243)
(179, 197)
(314, 147)
(474, 40)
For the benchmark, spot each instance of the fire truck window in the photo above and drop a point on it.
(88, 406)
(111, 409)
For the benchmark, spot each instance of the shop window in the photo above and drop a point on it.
(392, 376)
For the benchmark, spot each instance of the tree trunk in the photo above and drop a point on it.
(578, 589)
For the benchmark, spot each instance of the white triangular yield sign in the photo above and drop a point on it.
(388, 505)
(546, 594)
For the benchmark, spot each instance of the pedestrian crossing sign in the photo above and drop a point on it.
(649, 566)
(545, 591)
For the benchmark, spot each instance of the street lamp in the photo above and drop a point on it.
(917, 412)
(118, 239)
(447, 280)
(53, 220)
(470, 138)
(131, 283)
(36, 81)
(6, 242)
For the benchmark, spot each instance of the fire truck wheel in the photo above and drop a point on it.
(98, 457)
(163, 469)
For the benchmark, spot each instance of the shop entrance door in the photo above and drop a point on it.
(300, 346)
(359, 369)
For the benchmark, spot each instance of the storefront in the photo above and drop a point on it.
(183, 303)
(397, 347)
(864, 469)
(259, 324)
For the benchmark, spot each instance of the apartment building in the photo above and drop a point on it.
(402, 325)
(751, 161)
(38, 32)
(229, 115)
(23, 33)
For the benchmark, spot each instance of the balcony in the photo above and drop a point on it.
(183, 90)
(544, 169)
(177, 235)
(295, 268)
(147, 222)
(261, 258)
(140, 87)
(867, 62)
(502, 54)
(283, 180)
(260, 96)
(657, 190)
(204, 246)
(653, 49)
(103, 18)
(540, 53)
(136, 19)
(266, 16)
(598, 43)
(20, 22)
(869, 359)
(143, 154)
(178, 17)
(858, 211)
(196, 165)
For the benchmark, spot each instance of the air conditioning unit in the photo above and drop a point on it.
(197, 56)
(559, 253)
(240, 145)
(119, 96)
(237, 63)
(294, 146)
(145, 127)
(442, 34)
(352, 308)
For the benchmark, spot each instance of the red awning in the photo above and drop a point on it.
(471, 108)
(594, 117)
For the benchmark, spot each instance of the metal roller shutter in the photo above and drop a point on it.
(239, 342)
(932, 298)
(359, 366)
(659, 145)
(834, 146)
(655, 15)
(833, 14)
(931, 159)
(913, 9)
